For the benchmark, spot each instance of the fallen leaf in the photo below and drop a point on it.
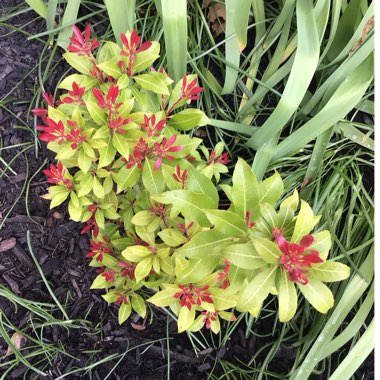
(216, 16)
(19, 342)
(137, 326)
(57, 215)
(206, 3)
(7, 244)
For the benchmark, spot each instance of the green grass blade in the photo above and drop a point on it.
(346, 97)
(174, 19)
(38, 6)
(305, 63)
(122, 16)
(69, 19)
(237, 14)
(51, 12)
(357, 355)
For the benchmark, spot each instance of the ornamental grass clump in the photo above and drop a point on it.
(147, 193)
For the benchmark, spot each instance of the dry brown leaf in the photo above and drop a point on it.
(7, 244)
(206, 3)
(217, 18)
(136, 326)
(367, 28)
(57, 215)
(19, 342)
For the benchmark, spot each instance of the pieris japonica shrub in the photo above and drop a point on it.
(148, 194)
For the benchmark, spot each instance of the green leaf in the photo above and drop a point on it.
(268, 250)
(98, 188)
(143, 268)
(322, 243)
(292, 201)
(138, 305)
(97, 114)
(65, 152)
(227, 222)
(305, 222)
(127, 178)
(185, 318)
(244, 256)
(164, 298)
(245, 190)
(143, 218)
(84, 162)
(86, 185)
(204, 244)
(80, 63)
(152, 179)
(75, 211)
(197, 270)
(271, 189)
(124, 312)
(187, 119)
(120, 143)
(136, 253)
(223, 300)
(106, 154)
(111, 68)
(154, 81)
(257, 290)
(318, 294)
(329, 271)
(100, 283)
(287, 297)
(145, 59)
(172, 237)
(190, 204)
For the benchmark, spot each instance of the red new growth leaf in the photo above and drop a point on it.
(56, 175)
(191, 90)
(222, 159)
(209, 317)
(181, 178)
(140, 152)
(109, 275)
(53, 131)
(248, 221)
(152, 127)
(185, 229)
(75, 135)
(98, 249)
(82, 44)
(224, 275)
(296, 258)
(128, 269)
(75, 95)
(121, 298)
(118, 124)
(190, 295)
(160, 150)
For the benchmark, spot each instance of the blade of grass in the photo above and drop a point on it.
(51, 12)
(122, 16)
(237, 14)
(174, 20)
(38, 6)
(341, 103)
(68, 20)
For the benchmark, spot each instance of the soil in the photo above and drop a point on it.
(60, 250)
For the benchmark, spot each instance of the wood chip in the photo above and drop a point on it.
(7, 244)
(137, 326)
(19, 342)
(12, 283)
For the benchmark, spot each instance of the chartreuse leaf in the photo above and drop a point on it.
(138, 305)
(100, 283)
(257, 290)
(98, 188)
(172, 237)
(126, 178)
(80, 63)
(287, 296)
(318, 294)
(57, 194)
(291, 202)
(271, 189)
(97, 114)
(188, 119)
(86, 185)
(322, 243)
(39, 7)
(153, 81)
(111, 68)
(245, 190)
(124, 312)
(164, 297)
(147, 57)
(84, 162)
(185, 318)
(305, 222)
(227, 222)
(197, 269)
(143, 268)
(267, 250)
(223, 300)
(190, 204)
(106, 154)
(206, 243)
(329, 271)
(244, 256)
(152, 179)
(143, 218)
(136, 253)
(120, 143)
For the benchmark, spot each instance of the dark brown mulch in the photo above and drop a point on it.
(60, 251)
